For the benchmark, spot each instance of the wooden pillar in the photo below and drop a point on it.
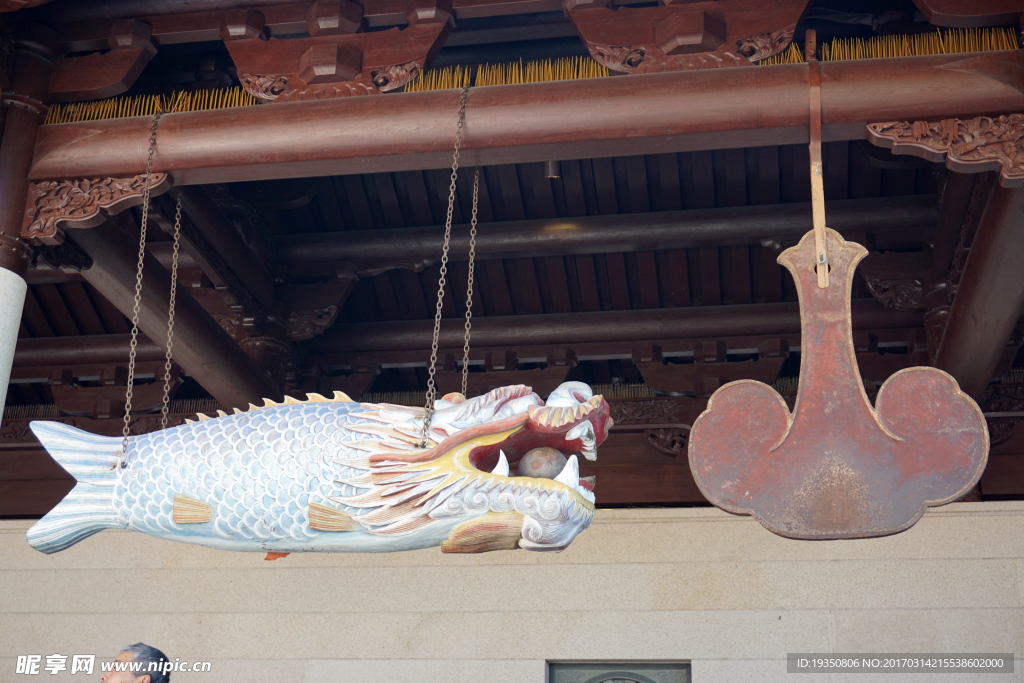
(201, 347)
(990, 297)
(25, 107)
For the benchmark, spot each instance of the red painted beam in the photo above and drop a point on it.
(655, 113)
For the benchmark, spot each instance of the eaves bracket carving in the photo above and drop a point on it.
(53, 206)
(984, 143)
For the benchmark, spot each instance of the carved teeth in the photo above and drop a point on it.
(584, 431)
(552, 416)
(501, 469)
(570, 474)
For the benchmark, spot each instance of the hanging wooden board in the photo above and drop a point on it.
(834, 466)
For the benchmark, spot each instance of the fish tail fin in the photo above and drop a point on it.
(89, 507)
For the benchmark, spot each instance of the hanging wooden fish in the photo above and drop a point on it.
(836, 467)
(338, 476)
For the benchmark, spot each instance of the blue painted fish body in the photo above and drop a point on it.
(261, 480)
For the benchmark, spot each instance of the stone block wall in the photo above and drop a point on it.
(695, 585)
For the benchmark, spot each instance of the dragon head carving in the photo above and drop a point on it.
(465, 471)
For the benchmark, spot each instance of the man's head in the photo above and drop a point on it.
(144, 655)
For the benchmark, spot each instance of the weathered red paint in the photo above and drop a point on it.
(836, 467)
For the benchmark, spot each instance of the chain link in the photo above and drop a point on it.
(428, 409)
(170, 315)
(469, 286)
(138, 291)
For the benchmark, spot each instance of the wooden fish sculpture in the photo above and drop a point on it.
(338, 476)
(836, 467)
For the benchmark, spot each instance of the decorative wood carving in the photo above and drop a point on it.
(326, 66)
(671, 442)
(105, 74)
(684, 36)
(395, 76)
(621, 58)
(306, 324)
(657, 410)
(649, 59)
(836, 467)
(55, 205)
(756, 48)
(1003, 399)
(903, 294)
(980, 144)
(897, 280)
(266, 87)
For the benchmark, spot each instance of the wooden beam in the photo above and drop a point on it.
(990, 296)
(79, 350)
(597, 117)
(606, 326)
(612, 234)
(84, 26)
(201, 347)
(220, 248)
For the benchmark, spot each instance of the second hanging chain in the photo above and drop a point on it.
(428, 409)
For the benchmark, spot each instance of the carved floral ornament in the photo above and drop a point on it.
(640, 412)
(283, 88)
(901, 295)
(642, 59)
(306, 324)
(983, 143)
(1004, 408)
(53, 205)
(756, 48)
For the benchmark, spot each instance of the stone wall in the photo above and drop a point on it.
(693, 585)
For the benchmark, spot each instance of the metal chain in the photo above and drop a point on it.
(428, 409)
(170, 316)
(469, 286)
(123, 462)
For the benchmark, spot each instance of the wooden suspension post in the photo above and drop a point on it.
(817, 185)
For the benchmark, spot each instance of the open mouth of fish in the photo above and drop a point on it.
(473, 455)
(571, 424)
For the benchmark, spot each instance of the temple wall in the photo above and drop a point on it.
(694, 585)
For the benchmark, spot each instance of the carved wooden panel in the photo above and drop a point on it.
(685, 36)
(55, 205)
(329, 66)
(980, 144)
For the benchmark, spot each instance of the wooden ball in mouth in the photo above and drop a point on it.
(543, 462)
